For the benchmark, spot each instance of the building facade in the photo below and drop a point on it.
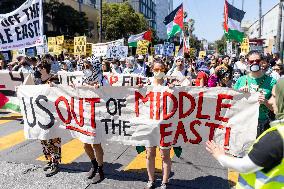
(163, 8)
(145, 7)
(91, 12)
(269, 27)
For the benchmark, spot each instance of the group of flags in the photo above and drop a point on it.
(175, 24)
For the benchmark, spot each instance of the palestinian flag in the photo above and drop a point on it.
(9, 103)
(174, 22)
(232, 22)
(133, 39)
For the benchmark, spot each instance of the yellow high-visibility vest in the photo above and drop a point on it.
(274, 179)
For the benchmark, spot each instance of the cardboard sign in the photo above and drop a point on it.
(60, 40)
(58, 49)
(89, 49)
(23, 27)
(142, 47)
(149, 116)
(51, 44)
(68, 46)
(80, 45)
(42, 49)
(202, 54)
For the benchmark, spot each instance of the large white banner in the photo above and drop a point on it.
(147, 116)
(22, 28)
(101, 49)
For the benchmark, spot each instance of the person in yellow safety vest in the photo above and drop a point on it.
(263, 167)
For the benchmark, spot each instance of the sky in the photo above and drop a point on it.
(208, 14)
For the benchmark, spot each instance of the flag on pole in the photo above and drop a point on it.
(174, 21)
(133, 39)
(232, 22)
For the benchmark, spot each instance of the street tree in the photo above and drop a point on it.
(120, 20)
(64, 19)
(7, 6)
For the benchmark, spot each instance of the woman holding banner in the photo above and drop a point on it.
(263, 166)
(51, 147)
(158, 80)
(93, 76)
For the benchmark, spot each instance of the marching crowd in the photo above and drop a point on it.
(248, 73)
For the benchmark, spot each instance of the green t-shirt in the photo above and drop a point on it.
(264, 84)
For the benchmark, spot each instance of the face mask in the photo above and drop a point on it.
(114, 66)
(236, 76)
(254, 67)
(159, 75)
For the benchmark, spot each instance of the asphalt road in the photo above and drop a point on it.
(21, 165)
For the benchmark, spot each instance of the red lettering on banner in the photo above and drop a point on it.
(227, 136)
(150, 96)
(220, 105)
(164, 134)
(192, 105)
(113, 79)
(180, 130)
(63, 99)
(192, 129)
(199, 108)
(92, 102)
(81, 111)
(213, 126)
(167, 115)
(158, 105)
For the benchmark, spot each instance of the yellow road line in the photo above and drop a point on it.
(138, 164)
(70, 151)
(10, 117)
(232, 177)
(12, 139)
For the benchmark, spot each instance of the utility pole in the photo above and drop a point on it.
(260, 15)
(80, 5)
(101, 21)
(279, 45)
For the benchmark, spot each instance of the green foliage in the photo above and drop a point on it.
(8, 5)
(221, 45)
(120, 20)
(194, 43)
(64, 19)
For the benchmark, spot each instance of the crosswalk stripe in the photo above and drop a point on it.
(9, 118)
(11, 139)
(70, 151)
(232, 177)
(139, 162)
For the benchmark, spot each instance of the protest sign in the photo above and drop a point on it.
(245, 46)
(42, 49)
(159, 49)
(60, 40)
(30, 52)
(149, 116)
(115, 51)
(89, 49)
(51, 44)
(99, 50)
(142, 47)
(23, 27)
(68, 46)
(168, 49)
(80, 45)
(58, 49)
(6, 56)
(202, 54)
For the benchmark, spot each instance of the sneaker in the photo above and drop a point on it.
(150, 185)
(53, 170)
(47, 166)
(164, 185)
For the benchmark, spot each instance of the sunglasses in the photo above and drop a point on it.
(254, 61)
